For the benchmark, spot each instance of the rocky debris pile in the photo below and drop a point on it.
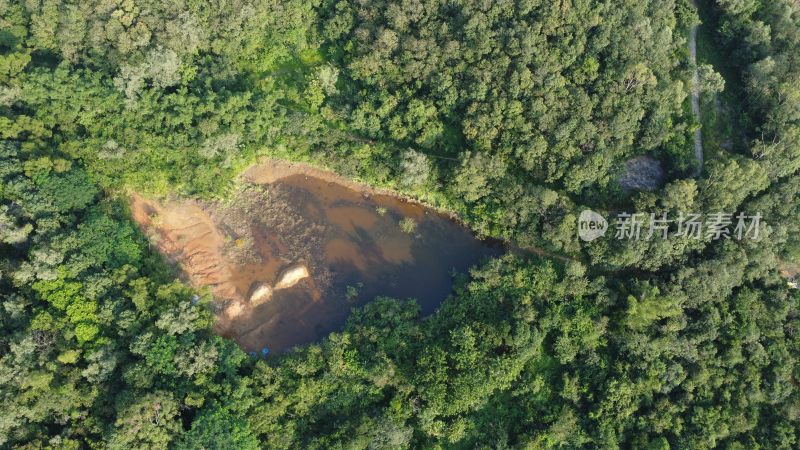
(643, 173)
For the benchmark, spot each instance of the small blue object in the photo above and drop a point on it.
(195, 299)
(265, 351)
(253, 354)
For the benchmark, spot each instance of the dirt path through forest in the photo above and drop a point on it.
(698, 134)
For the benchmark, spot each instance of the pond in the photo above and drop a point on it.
(289, 259)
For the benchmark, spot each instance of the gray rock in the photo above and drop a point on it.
(643, 173)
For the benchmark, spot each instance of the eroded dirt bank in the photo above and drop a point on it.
(295, 248)
(237, 248)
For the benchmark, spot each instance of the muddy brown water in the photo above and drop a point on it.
(359, 252)
(368, 255)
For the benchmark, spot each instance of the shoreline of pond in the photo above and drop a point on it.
(349, 236)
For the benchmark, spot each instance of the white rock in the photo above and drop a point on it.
(262, 293)
(292, 276)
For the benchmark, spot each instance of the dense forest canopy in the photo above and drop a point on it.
(538, 100)
(516, 115)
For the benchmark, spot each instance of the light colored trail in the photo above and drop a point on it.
(698, 134)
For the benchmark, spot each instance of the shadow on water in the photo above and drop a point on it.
(366, 254)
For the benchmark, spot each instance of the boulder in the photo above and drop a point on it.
(643, 173)
(261, 293)
(292, 276)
